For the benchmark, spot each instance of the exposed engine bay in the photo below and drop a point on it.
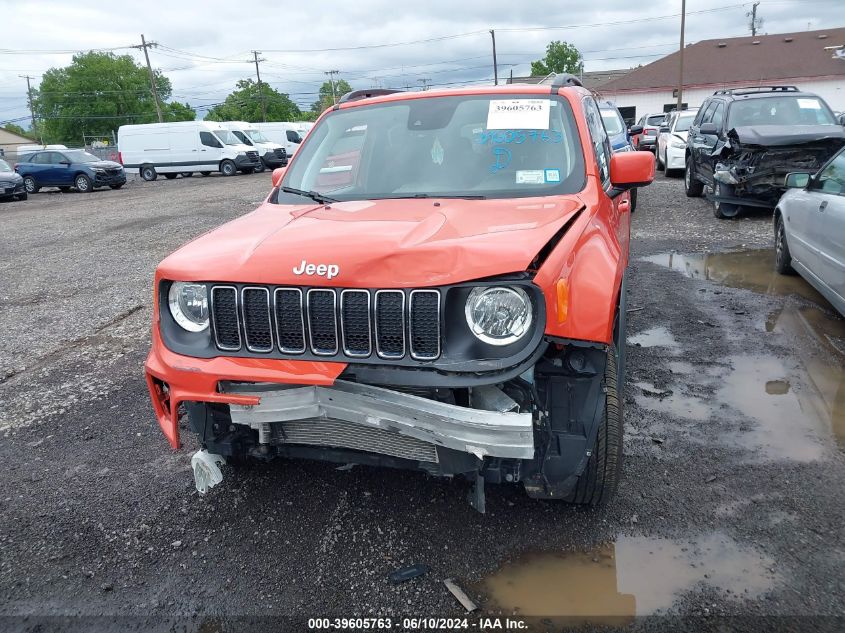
(754, 161)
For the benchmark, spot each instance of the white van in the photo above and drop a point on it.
(272, 154)
(183, 148)
(290, 135)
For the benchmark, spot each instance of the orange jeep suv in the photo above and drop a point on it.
(436, 282)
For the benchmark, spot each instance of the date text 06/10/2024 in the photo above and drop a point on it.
(416, 624)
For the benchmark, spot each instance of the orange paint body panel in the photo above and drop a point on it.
(407, 243)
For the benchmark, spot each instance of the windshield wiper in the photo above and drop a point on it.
(315, 196)
(428, 195)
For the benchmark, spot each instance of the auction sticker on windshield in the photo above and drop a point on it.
(528, 114)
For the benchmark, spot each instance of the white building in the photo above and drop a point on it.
(807, 60)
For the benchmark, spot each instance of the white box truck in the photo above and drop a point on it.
(183, 148)
(289, 135)
(272, 154)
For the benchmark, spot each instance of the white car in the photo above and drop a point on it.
(809, 223)
(672, 141)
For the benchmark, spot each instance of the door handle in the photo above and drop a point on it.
(823, 205)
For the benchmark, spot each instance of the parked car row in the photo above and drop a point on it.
(188, 147)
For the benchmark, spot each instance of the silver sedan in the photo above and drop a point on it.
(809, 226)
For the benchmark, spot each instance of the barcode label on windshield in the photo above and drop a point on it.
(526, 114)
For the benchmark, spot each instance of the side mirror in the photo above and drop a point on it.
(278, 174)
(631, 169)
(64, 162)
(708, 128)
(635, 129)
(796, 180)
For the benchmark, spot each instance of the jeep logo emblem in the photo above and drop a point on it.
(323, 270)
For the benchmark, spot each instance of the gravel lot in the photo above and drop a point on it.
(730, 512)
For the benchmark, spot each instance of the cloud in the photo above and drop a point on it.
(610, 33)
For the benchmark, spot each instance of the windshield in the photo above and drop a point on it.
(443, 146)
(791, 110)
(4, 166)
(684, 121)
(80, 156)
(613, 123)
(228, 138)
(241, 137)
(257, 136)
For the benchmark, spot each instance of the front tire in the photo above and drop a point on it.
(30, 185)
(661, 165)
(692, 186)
(783, 258)
(227, 168)
(261, 167)
(598, 483)
(724, 210)
(171, 176)
(83, 184)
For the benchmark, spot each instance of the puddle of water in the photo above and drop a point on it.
(675, 404)
(658, 336)
(819, 339)
(752, 270)
(781, 428)
(633, 576)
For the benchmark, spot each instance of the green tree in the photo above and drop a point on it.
(327, 97)
(16, 129)
(561, 57)
(244, 104)
(96, 94)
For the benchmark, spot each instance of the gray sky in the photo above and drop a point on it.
(206, 45)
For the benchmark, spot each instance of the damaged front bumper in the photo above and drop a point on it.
(380, 418)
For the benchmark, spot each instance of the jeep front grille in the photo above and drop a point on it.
(327, 322)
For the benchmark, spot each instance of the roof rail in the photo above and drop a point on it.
(753, 89)
(561, 80)
(357, 95)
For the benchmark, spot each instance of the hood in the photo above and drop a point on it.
(105, 164)
(376, 244)
(785, 135)
(10, 176)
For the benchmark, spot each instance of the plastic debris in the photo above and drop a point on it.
(464, 599)
(407, 573)
(207, 472)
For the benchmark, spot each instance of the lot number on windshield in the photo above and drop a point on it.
(509, 114)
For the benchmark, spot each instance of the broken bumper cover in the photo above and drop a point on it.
(474, 431)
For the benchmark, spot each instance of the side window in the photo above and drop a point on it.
(699, 118)
(718, 115)
(832, 178)
(208, 139)
(57, 159)
(598, 134)
(41, 159)
(708, 113)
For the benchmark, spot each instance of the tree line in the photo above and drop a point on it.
(100, 91)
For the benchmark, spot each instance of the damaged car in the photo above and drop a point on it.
(448, 298)
(744, 142)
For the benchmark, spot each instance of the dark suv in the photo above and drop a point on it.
(744, 141)
(69, 169)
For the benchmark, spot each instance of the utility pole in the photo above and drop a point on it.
(495, 65)
(681, 57)
(29, 98)
(755, 23)
(144, 45)
(331, 74)
(260, 90)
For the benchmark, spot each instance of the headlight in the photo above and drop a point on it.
(678, 144)
(497, 315)
(189, 305)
